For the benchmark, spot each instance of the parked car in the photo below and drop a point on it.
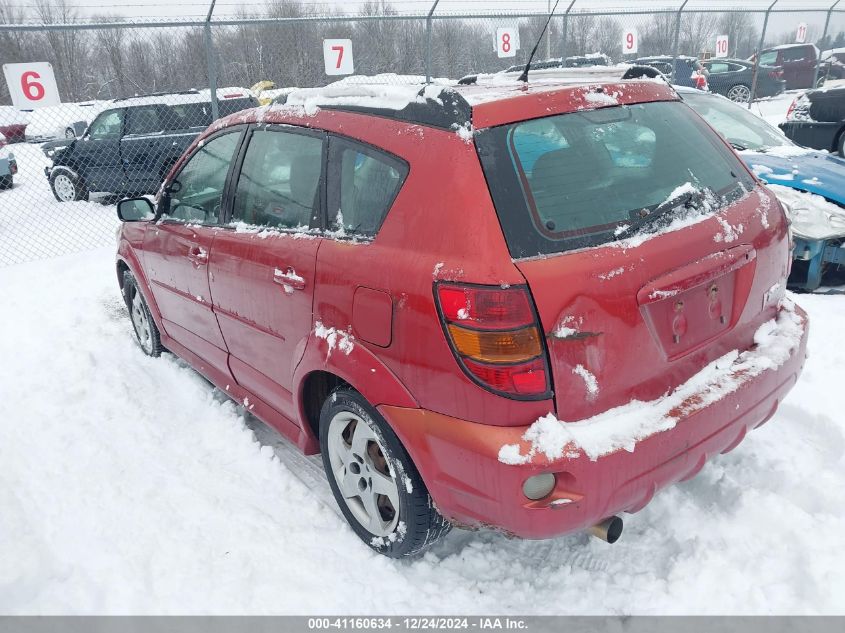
(734, 78)
(810, 184)
(836, 59)
(376, 273)
(13, 123)
(817, 119)
(8, 165)
(63, 121)
(798, 62)
(130, 146)
(688, 71)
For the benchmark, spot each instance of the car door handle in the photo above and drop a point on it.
(288, 278)
(198, 255)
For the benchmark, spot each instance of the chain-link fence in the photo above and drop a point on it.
(134, 93)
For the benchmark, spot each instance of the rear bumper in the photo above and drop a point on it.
(459, 460)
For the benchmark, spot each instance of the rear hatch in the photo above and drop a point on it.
(648, 248)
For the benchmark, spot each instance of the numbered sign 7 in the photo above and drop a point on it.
(31, 85)
(630, 42)
(337, 56)
(507, 41)
(722, 46)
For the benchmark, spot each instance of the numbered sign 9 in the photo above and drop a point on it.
(630, 42)
(337, 55)
(31, 85)
(801, 34)
(722, 46)
(507, 41)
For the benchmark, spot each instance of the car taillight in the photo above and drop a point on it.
(495, 335)
(776, 74)
(791, 108)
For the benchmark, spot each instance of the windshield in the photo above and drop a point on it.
(741, 128)
(586, 178)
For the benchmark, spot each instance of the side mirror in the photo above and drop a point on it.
(135, 210)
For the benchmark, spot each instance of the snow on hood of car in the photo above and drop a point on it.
(784, 151)
(812, 216)
(622, 427)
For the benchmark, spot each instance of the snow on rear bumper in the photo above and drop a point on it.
(460, 460)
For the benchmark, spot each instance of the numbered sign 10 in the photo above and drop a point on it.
(507, 41)
(31, 85)
(722, 45)
(337, 55)
(801, 33)
(630, 42)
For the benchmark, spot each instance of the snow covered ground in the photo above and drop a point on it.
(130, 485)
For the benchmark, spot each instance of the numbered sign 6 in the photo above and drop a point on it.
(722, 46)
(31, 85)
(801, 34)
(337, 55)
(507, 41)
(630, 42)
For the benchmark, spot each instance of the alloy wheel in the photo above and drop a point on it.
(739, 94)
(362, 474)
(141, 323)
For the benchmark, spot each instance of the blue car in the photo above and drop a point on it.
(811, 184)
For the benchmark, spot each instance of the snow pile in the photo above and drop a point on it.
(379, 96)
(624, 426)
(335, 338)
(812, 216)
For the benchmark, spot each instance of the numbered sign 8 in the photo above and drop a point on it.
(337, 56)
(630, 42)
(801, 34)
(31, 85)
(507, 41)
(722, 46)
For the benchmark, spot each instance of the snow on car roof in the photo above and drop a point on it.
(179, 98)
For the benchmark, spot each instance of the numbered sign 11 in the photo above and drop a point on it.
(507, 41)
(31, 85)
(630, 42)
(722, 45)
(801, 33)
(337, 55)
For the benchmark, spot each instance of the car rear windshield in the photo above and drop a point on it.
(586, 178)
(198, 114)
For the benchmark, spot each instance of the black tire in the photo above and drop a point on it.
(62, 178)
(418, 524)
(739, 93)
(70, 133)
(148, 339)
(842, 143)
(6, 182)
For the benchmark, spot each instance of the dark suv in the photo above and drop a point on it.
(130, 147)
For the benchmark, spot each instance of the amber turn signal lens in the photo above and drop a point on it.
(497, 347)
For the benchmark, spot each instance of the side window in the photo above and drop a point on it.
(199, 193)
(769, 59)
(720, 67)
(107, 125)
(364, 183)
(144, 120)
(797, 54)
(279, 181)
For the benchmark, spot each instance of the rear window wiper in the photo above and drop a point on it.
(685, 200)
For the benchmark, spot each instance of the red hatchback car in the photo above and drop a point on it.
(526, 307)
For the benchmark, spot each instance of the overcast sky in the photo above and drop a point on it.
(197, 8)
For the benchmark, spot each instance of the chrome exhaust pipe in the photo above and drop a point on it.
(608, 530)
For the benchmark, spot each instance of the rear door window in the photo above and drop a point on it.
(364, 183)
(279, 182)
(575, 180)
(144, 120)
(769, 59)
